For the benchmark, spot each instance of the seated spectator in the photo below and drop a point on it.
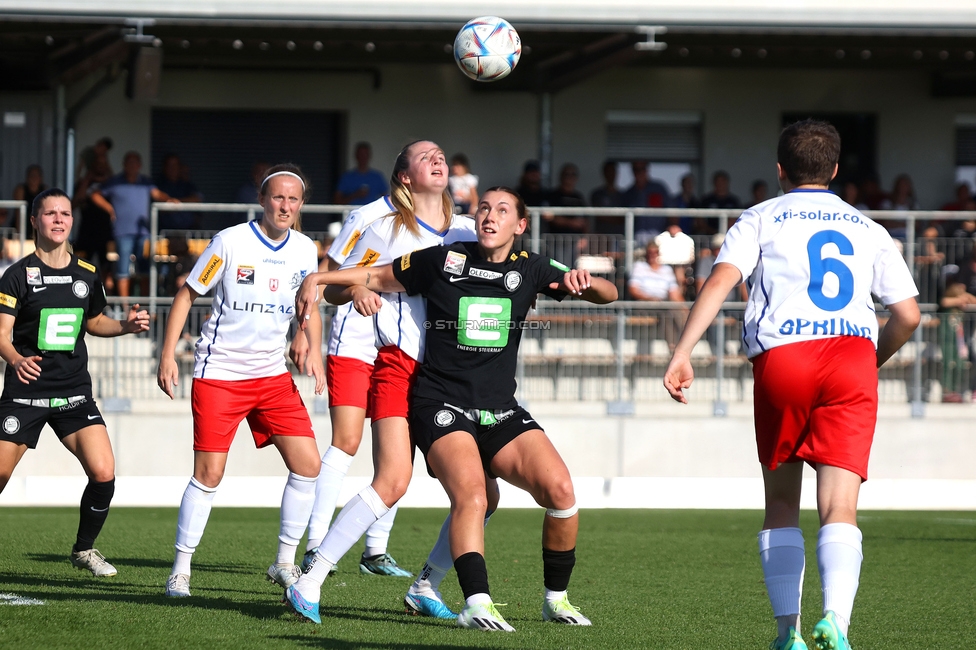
(686, 198)
(32, 186)
(530, 185)
(653, 281)
(645, 193)
(172, 183)
(463, 184)
(248, 192)
(760, 192)
(607, 195)
(871, 194)
(88, 156)
(676, 249)
(361, 185)
(95, 229)
(720, 198)
(126, 198)
(567, 196)
(964, 200)
(902, 196)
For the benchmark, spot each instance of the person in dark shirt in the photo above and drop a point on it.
(530, 185)
(720, 198)
(32, 186)
(173, 184)
(567, 196)
(49, 300)
(463, 411)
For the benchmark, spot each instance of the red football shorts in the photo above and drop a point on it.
(272, 406)
(348, 381)
(817, 401)
(392, 380)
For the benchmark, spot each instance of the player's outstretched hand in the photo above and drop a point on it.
(167, 376)
(574, 282)
(679, 376)
(315, 368)
(298, 351)
(307, 299)
(136, 321)
(27, 369)
(365, 301)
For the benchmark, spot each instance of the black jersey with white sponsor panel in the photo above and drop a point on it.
(476, 310)
(51, 308)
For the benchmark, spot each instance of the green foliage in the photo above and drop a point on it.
(647, 578)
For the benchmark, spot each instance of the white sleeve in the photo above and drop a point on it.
(893, 281)
(741, 247)
(368, 250)
(210, 266)
(348, 236)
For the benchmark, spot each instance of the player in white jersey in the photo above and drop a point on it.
(239, 369)
(812, 263)
(424, 218)
(348, 368)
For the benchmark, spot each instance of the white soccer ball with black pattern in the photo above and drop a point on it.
(487, 48)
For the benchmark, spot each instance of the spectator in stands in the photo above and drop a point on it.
(760, 192)
(361, 185)
(704, 268)
(462, 184)
(88, 156)
(567, 196)
(952, 338)
(32, 186)
(902, 196)
(651, 280)
(645, 193)
(248, 192)
(173, 183)
(964, 200)
(686, 197)
(928, 265)
(852, 195)
(95, 230)
(126, 198)
(871, 194)
(607, 195)
(530, 185)
(720, 198)
(676, 249)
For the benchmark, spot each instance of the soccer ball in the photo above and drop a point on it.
(487, 48)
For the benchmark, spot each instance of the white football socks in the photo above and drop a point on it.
(839, 559)
(296, 508)
(439, 562)
(358, 515)
(783, 562)
(335, 466)
(191, 522)
(378, 535)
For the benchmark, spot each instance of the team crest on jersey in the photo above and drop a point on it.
(273, 284)
(11, 425)
(513, 279)
(296, 279)
(80, 288)
(34, 275)
(484, 274)
(444, 418)
(245, 275)
(454, 264)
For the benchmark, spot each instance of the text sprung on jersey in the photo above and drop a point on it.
(262, 308)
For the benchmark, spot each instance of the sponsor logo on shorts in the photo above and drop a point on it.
(273, 284)
(513, 279)
(57, 279)
(8, 301)
(454, 263)
(210, 270)
(484, 274)
(80, 288)
(444, 418)
(245, 275)
(85, 265)
(34, 275)
(351, 244)
(11, 425)
(405, 262)
(370, 257)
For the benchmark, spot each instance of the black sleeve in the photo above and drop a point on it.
(416, 271)
(546, 272)
(13, 290)
(97, 301)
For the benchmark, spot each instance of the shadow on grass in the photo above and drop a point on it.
(154, 563)
(323, 641)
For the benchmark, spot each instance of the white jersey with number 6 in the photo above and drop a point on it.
(351, 334)
(254, 281)
(812, 263)
(400, 321)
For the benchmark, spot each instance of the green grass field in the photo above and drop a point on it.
(647, 578)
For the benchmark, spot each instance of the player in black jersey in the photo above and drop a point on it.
(49, 300)
(464, 416)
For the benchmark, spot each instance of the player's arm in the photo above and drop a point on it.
(905, 317)
(167, 375)
(582, 285)
(136, 321)
(377, 278)
(314, 366)
(680, 374)
(25, 368)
